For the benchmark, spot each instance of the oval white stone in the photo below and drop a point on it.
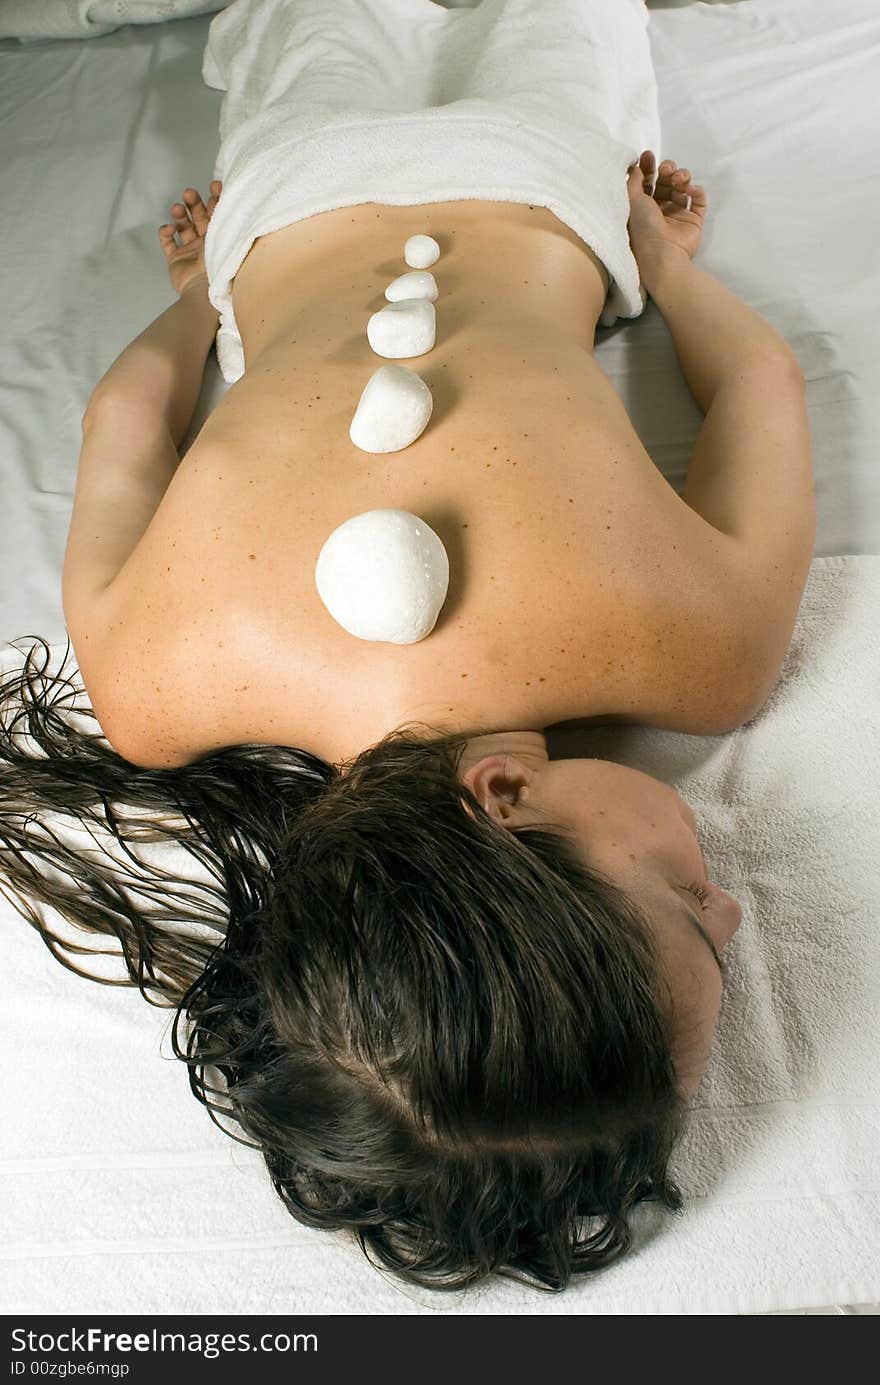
(392, 411)
(421, 251)
(384, 575)
(407, 328)
(419, 283)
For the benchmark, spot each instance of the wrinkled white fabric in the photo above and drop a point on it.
(41, 21)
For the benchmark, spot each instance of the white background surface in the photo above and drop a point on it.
(774, 106)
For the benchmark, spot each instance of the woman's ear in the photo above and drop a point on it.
(497, 782)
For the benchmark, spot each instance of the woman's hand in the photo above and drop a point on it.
(673, 215)
(186, 261)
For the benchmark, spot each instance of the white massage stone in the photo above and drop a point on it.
(419, 283)
(383, 575)
(421, 251)
(392, 411)
(407, 328)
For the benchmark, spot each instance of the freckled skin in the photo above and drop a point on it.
(557, 553)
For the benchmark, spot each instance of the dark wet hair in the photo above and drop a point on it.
(451, 1038)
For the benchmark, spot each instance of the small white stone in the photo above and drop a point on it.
(384, 575)
(407, 328)
(419, 283)
(392, 411)
(421, 251)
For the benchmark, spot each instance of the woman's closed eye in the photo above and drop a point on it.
(701, 893)
(699, 890)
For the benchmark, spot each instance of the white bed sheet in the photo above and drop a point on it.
(773, 105)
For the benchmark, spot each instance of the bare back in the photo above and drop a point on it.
(576, 572)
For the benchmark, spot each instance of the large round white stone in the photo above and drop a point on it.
(421, 251)
(407, 328)
(392, 411)
(418, 283)
(384, 575)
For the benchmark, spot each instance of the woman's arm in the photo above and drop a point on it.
(750, 474)
(161, 372)
(135, 421)
(714, 333)
(126, 464)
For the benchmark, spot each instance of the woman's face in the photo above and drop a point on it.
(637, 831)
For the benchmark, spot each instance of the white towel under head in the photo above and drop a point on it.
(332, 103)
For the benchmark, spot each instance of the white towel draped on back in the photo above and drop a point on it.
(331, 103)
